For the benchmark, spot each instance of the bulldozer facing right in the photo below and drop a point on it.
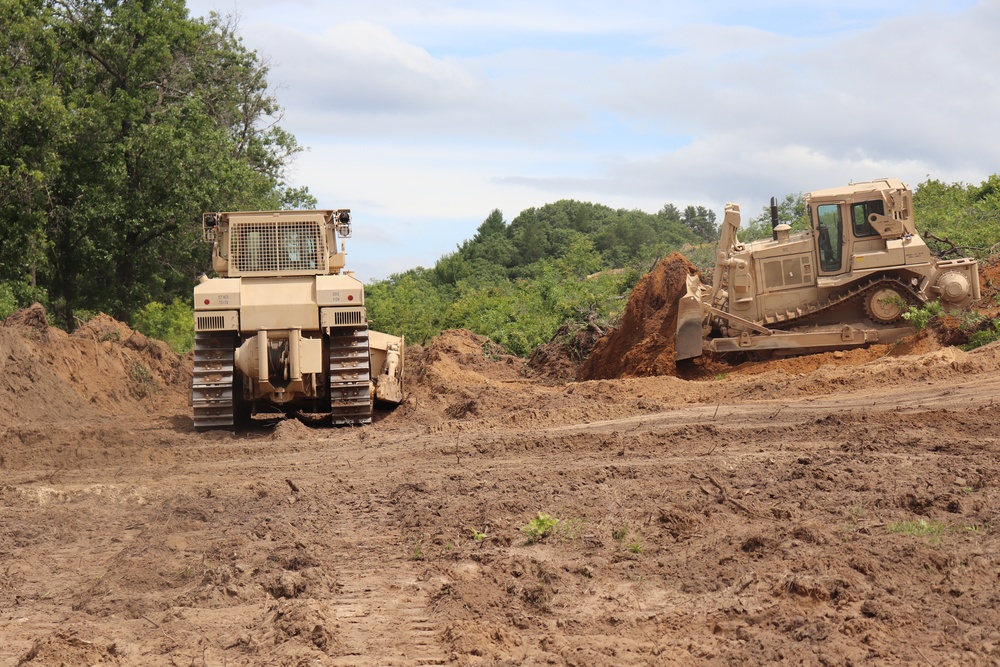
(845, 283)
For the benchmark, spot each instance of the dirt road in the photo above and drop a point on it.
(833, 510)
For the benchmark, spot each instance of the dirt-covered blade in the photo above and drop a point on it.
(689, 321)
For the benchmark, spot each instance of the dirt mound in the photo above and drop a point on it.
(34, 317)
(643, 342)
(104, 368)
(458, 375)
(460, 357)
(558, 360)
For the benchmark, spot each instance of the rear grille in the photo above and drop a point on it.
(343, 317)
(211, 322)
(277, 247)
(224, 321)
(349, 317)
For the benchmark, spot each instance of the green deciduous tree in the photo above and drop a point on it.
(791, 211)
(125, 119)
(966, 215)
(701, 221)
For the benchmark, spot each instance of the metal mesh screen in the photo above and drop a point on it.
(277, 247)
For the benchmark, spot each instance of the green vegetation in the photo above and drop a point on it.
(978, 328)
(968, 216)
(622, 534)
(170, 323)
(986, 334)
(920, 528)
(922, 316)
(518, 283)
(933, 530)
(120, 122)
(539, 528)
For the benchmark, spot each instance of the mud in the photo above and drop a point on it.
(837, 509)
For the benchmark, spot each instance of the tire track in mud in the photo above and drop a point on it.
(382, 602)
(964, 394)
(381, 626)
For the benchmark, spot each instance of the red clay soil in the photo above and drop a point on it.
(643, 342)
(989, 284)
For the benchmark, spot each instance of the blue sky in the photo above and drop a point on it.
(422, 116)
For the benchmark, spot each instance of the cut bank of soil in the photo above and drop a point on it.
(643, 342)
(839, 510)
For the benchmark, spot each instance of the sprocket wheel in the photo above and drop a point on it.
(885, 304)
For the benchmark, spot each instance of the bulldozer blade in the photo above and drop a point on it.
(689, 322)
(689, 341)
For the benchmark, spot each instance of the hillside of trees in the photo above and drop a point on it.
(518, 282)
(121, 122)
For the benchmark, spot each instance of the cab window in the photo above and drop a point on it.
(860, 212)
(830, 236)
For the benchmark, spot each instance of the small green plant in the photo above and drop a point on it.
(635, 546)
(720, 376)
(919, 528)
(478, 536)
(571, 529)
(987, 333)
(418, 553)
(922, 316)
(539, 527)
(621, 536)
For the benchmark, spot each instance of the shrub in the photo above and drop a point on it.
(539, 527)
(922, 316)
(172, 323)
(988, 332)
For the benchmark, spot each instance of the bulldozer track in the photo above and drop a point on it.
(212, 387)
(350, 376)
(801, 315)
(378, 626)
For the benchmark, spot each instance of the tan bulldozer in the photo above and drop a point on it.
(844, 283)
(284, 328)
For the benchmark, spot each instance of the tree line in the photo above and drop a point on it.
(519, 282)
(120, 122)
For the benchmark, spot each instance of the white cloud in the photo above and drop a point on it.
(423, 116)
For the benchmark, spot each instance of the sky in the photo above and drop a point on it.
(423, 116)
